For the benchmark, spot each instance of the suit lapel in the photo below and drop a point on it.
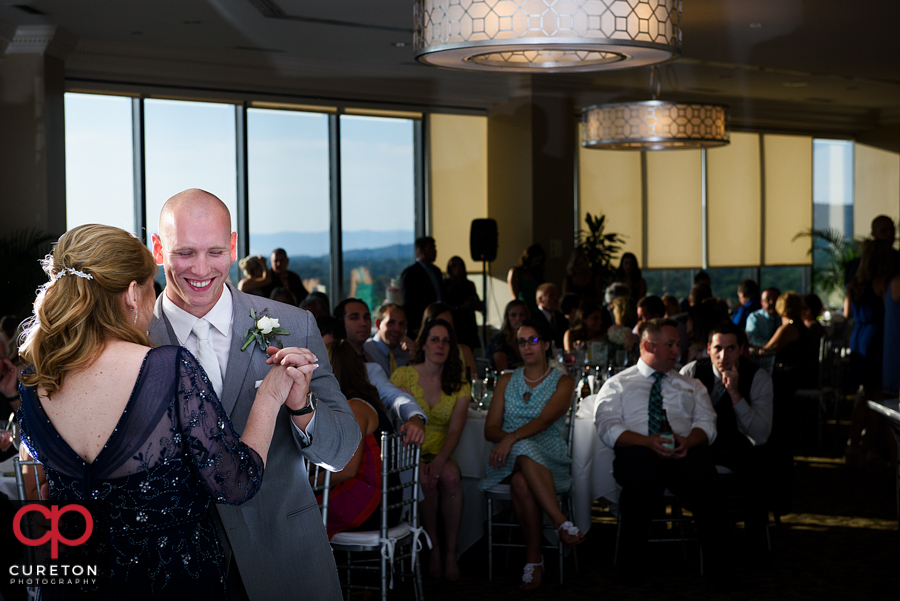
(238, 361)
(161, 332)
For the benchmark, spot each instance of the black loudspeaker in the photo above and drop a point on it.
(483, 240)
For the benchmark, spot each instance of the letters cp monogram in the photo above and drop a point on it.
(53, 514)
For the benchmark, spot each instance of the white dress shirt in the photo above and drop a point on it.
(753, 420)
(220, 318)
(624, 400)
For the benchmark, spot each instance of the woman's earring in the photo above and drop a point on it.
(134, 323)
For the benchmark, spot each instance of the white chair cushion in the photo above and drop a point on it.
(369, 537)
(498, 489)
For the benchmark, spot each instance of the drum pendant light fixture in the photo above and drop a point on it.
(547, 36)
(654, 124)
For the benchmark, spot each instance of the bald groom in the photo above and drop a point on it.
(275, 545)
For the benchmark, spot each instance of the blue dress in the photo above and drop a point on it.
(866, 340)
(172, 454)
(548, 447)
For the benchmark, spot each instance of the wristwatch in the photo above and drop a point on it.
(311, 402)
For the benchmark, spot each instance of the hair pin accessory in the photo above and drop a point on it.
(73, 271)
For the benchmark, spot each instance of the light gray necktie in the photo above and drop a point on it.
(206, 354)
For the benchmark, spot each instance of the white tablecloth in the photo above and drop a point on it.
(8, 482)
(592, 461)
(472, 454)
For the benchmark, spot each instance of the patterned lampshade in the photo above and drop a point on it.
(547, 36)
(654, 125)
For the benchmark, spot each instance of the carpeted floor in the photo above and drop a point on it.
(840, 542)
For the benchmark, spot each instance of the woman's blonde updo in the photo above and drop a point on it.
(73, 315)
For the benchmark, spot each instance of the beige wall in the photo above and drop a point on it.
(674, 209)
(609, 183)
(788, 198)
(458, 190)
(876, 186)
(733, 202)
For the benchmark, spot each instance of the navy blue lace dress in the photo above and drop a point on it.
(172, 454)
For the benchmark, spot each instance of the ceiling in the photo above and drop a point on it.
(826, 67)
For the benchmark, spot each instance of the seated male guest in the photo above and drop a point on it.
(650, 307)
(741, 394)
(762, 323)
(748, 297)
(355, 321)
(703, 280)
(547, 298)
(389, 347)
(283, 278)
(630, 409)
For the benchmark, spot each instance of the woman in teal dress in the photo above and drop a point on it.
(435, 380)
(527, 421)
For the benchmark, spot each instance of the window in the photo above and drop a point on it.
(189, 145)
(377, 203)
(99, 184)
(676, 282)
(289, 191)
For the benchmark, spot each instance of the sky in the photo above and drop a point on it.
(192, 145)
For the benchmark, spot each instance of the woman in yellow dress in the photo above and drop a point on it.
(435, 380)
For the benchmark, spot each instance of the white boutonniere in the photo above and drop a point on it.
(265, 330)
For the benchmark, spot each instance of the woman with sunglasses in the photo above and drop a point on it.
(527, 421)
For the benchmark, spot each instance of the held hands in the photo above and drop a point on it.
(431, 472)
(681, 447)
(655, 443)
(501, 451)
(414, 431)
(291, 373)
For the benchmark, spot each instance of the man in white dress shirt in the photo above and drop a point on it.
(390, 347)
(356, 321)
(629, 412)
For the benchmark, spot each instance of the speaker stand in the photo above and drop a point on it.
(484, 312)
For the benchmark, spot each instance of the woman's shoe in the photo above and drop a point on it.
(529, 581)
(569, 534)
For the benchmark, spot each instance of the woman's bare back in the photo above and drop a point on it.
(87, 408)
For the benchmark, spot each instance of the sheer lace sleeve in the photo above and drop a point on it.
(228, 470)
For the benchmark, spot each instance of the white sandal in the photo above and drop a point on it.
(528, 572)
(572, 530)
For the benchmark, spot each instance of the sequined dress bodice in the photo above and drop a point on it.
(172, 454)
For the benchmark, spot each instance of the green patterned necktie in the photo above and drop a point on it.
(655, 413)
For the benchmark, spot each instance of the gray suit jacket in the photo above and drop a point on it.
(277, 538)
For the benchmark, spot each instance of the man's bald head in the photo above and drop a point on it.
(883, 228)
(194, 204)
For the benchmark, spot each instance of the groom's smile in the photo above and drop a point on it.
(196, 247)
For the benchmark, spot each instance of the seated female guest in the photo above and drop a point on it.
(140, 429)
(356, 489)
(435, 380)
(502, 347)
(442, 311)
(256, 276)
(589, 325)
(527, 420)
